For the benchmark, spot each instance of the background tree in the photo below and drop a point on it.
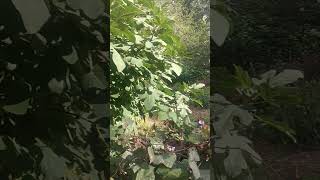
(191, 24)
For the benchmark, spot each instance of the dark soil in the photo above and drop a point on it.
(289, 161)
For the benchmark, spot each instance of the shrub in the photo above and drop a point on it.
(145, 54)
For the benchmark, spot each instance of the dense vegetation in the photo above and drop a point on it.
(64, 80)
(150, 116)
(261, 54)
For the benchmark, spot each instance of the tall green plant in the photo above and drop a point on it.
(233, 156)
(145, 55)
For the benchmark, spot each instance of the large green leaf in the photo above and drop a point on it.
(169, 159)
(34, 14)
(226, 118)
(235, 163)
(51, 164)
(286, 77)
(219, 27)
(163, 115)
(172, 174)
(195, 169)
(193, 155)
(149, 102)
(94, 79)
(146, 173)
(93, 8)
(18, 109)
(193, 158)
(117, 60)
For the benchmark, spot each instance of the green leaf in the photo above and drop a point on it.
(146, 173)
(18, 109)
(163, 115)
(117, 59)
(195, 169)
(151, 154)
(149, 102)
(3, 146)
(286, 77)
(243, 77)
(136, 168)
(51, 164)
(172, 174)
(193, 155)
(18, 147)
(93, 8)
(226, 116)
(197, 86)
(173, 116)
(34, 14)
(155, 159)
(72, 58)
(138, 39)
(219, 27)
(126, 154)
(283, 78)
(279, 126)
(195, 138)
(163, 108)
(169, 159)
(235, 163)
(136, 62)
(148, 45)
(176, 68)
(90, 80)
(166, 159)
(236, 142)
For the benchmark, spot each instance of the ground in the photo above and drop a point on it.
(289, 162)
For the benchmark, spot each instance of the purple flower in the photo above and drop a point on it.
(201, 123)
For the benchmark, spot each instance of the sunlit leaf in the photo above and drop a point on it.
(176, 68)
(118, 61)
(149, 102)
(146, 173)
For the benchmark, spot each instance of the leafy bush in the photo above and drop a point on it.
(257, 99)
(192, 26)
(145, 54)
(261, 98)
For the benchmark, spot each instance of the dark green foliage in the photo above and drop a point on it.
(151, 120)
(53, 56)
(268, 33)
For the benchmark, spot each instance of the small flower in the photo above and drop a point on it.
(201, 123)
(171, 148)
